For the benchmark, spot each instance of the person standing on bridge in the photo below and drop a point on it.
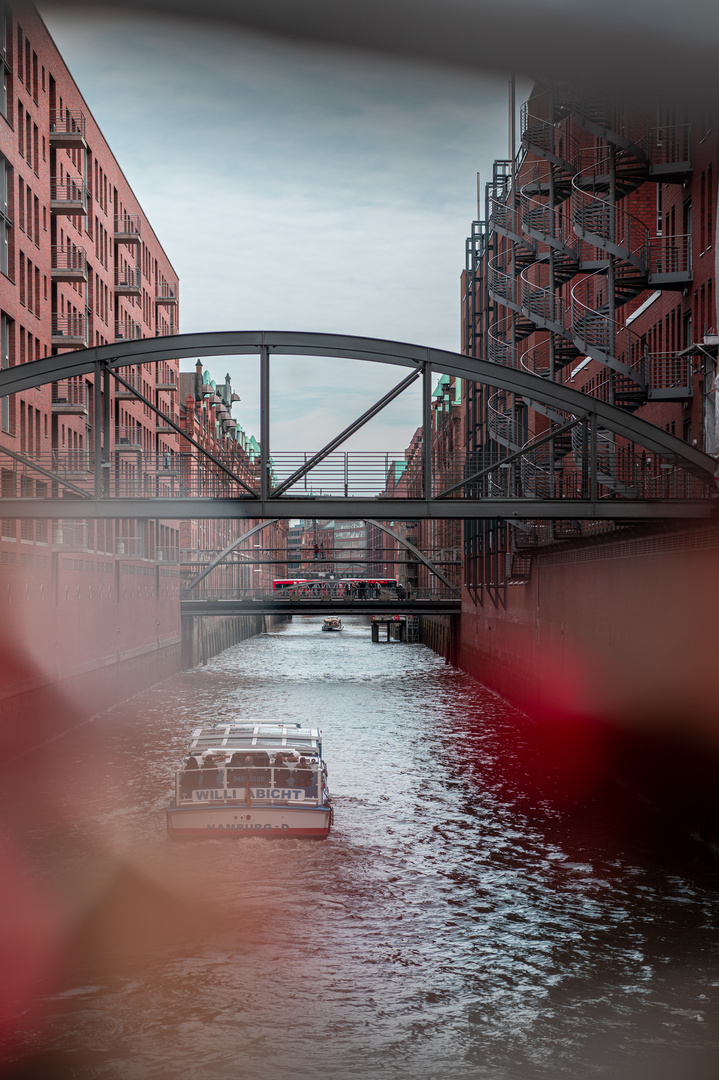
(316, 551)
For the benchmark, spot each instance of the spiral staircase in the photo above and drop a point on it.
(575, 256)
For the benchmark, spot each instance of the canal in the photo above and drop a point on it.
(462, 920)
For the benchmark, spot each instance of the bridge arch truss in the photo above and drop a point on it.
(654, 474)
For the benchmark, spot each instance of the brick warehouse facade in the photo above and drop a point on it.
(93, 605)
(596, 266)
(205, 415)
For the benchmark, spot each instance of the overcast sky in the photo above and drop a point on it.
(295, 189)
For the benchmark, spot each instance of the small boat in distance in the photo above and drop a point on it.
(333, 623)
(252, 778)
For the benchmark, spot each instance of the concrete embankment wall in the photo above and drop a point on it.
(205, 637)
(618, 636)
(39, 700)
(615, 628)
(36, 704)
(442, 634)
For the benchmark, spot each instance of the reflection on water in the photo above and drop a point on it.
(446, 928)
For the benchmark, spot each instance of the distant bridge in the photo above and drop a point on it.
(623, 467)
(272, 605)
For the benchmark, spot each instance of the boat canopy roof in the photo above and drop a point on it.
(255, 734)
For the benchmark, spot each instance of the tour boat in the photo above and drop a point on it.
(252, 778)
(333, 623)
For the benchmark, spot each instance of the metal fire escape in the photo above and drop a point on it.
(558, 258)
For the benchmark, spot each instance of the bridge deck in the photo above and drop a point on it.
(321, 606)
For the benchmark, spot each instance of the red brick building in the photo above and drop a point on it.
(440, 539)
(206, 416)
(79, 266)
(595, 267)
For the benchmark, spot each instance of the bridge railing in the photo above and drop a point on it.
(132, 472)
(330, 591)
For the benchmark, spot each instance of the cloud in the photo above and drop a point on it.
(292, 187)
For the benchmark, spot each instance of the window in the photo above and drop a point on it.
(27, 525)
(4, 29)
(8, 491)
(4, 363)
(710, 205)
(5, 225)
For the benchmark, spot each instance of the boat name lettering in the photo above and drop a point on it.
(238, 794)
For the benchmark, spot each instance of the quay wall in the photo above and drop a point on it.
(620, 629)
(612, 643)
(37, 704)
(441, 633)
(205, 637)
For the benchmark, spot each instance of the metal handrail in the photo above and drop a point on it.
(70, 534)
(161, 422)
(499, 349)
(132, 547)
(604, 224)
(127, 224)
(505, 217)
(670, 144)
(68, 257)
(541, 135)
(670, 254)
(127, 330)
(67, 122)
(185, 476)
(135, 382)
(73, 391)
(621, 124)
(502, 422)
(74, 326)
(128, 435)
(669, 370)
(167, 554)
(129, 277)
(501, 284)
(602, 338)
(69, 189)
(541, 303)
(548, 223)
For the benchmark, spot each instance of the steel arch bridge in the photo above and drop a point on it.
(656, 475)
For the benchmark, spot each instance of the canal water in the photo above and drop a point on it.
(460, 921)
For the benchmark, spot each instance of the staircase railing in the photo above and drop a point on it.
(602, 338)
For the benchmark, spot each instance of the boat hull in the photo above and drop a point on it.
(268, 822)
